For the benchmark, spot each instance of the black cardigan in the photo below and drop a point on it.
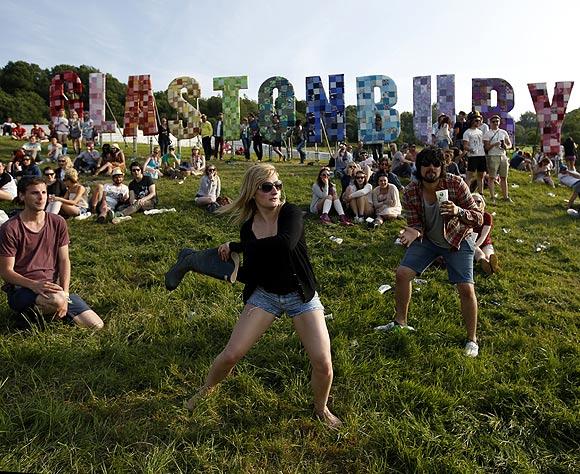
(289, 243)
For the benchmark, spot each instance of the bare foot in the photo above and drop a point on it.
(192, 402)
(330, 420)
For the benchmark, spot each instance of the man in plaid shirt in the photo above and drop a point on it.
(440, 214)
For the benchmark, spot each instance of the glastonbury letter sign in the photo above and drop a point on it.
(377, 120)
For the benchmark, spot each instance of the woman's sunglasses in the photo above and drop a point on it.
(325, 175)
(267, 186)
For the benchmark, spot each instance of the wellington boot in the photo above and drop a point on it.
(207, 262)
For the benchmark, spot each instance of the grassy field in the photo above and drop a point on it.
(76, 401)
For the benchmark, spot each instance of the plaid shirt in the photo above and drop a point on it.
(455, 229)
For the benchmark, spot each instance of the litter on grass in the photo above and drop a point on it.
(520, 241)
(158, 211)
(543, 246)
(515, 186)
(398, 241)
(384, 288)
(338, 240)
(418, 281)
(329, 316)
(506, 230)
(551, 195)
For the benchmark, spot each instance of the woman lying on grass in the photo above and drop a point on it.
(278, 279)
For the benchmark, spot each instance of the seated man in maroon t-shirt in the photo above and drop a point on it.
(35, 263)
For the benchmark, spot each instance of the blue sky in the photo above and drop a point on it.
(519, 41)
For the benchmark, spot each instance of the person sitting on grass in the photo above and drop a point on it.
(209, 190)
(450, 165)
(571, 179)
(19, 133)
(32, 148)
(54, 187)
(74, 202)
(170, 164)
(386, 201)
(197, 162)
(35, 262)
(8, 189)
(324, 197)
(142, 194)
(385, 170)
(542, 172)
(110, 198)
(342, 158)
(484, 251)
(88, 160)
(64, 164)
(54, 150)
(115, 159)
(358, 197)
(29, 169)
(152, 166)
(348, 178)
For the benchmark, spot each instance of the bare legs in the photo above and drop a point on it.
(253, 322)
(56, 302)
(311, 329)
(467, 297)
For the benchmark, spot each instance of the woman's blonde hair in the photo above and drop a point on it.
(244, 206)
(71, 175)
(68, 163)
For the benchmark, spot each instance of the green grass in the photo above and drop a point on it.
(76, 401)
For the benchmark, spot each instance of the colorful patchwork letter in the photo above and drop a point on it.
(231, 103)
(481, 100)
(377, 122)
(70, 81)
(422, 108)
(191, 114)
(551, 115)
(140, 110)
(321, 111)
(446, 95)
(285, 107)
(97, 81)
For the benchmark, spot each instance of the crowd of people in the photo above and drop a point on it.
(432, 189)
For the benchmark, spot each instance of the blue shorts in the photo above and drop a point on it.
(421, 254)
(291, 303)
(22, 299)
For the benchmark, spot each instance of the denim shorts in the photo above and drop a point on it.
(290, 303)
(421, 254)
(22, 299)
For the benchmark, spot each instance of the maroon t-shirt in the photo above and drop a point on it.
(35, 253)
(487, 220)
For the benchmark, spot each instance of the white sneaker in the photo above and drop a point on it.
(82, 217)
(118, 220)
(471, 349)
(394, 326)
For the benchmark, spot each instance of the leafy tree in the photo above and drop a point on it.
(407, 133)
(351, 123)
(571, 126)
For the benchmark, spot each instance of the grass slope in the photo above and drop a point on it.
(74, 401)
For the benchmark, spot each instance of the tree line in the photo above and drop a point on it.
(24, 96)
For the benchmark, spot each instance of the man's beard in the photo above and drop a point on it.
(431, 177)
